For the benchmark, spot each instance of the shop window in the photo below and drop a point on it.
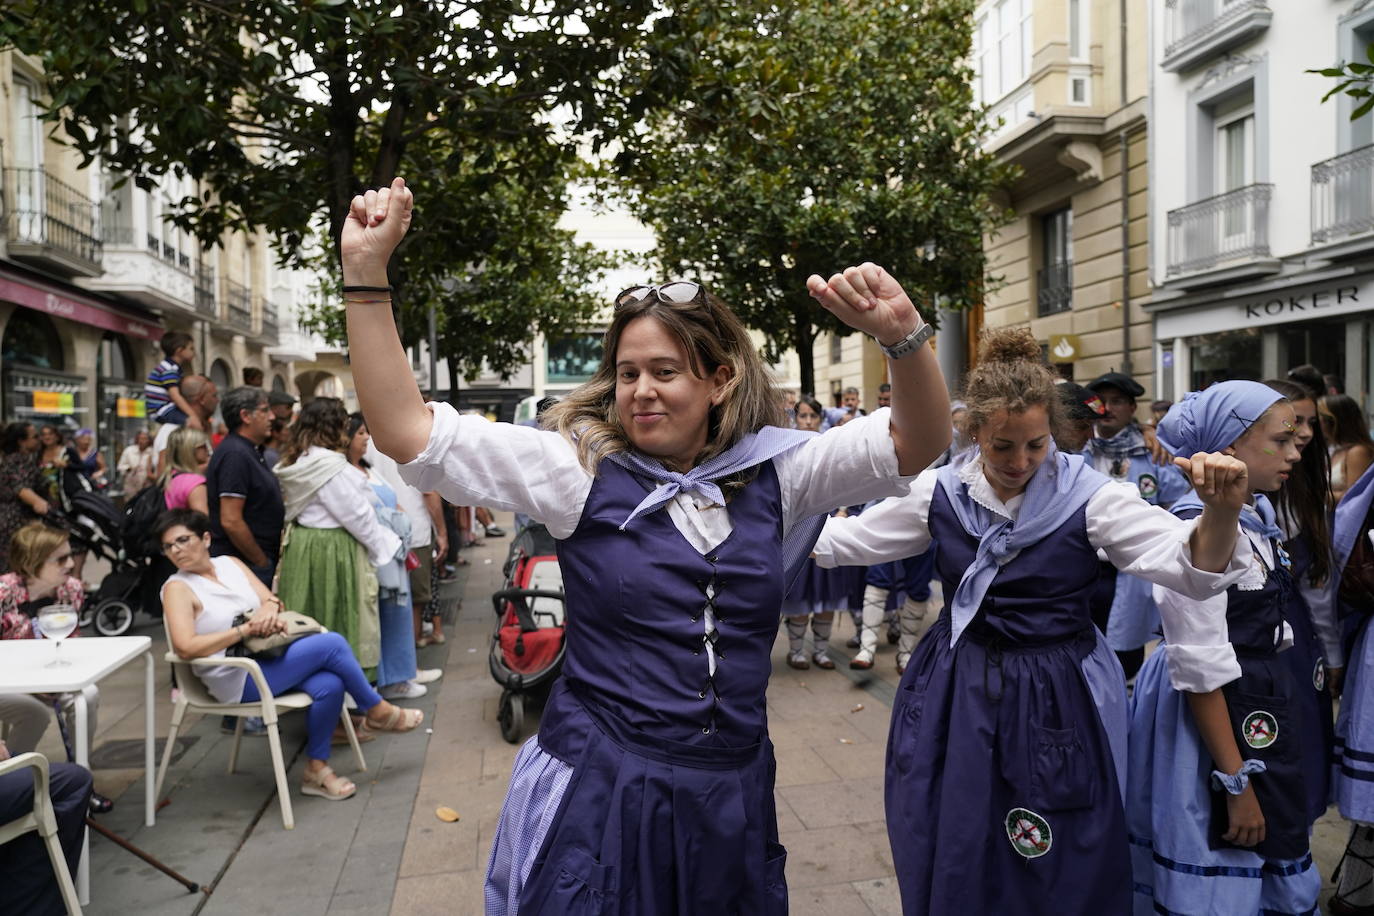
(1221, 357)
(1320, 344)
(31, 339)
(573, 358)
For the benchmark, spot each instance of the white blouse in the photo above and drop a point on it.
(345, 501)
(471, 461)
(1136, 537)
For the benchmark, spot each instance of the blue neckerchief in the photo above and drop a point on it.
(1259, 518)
(753, 449)
(1058, 489)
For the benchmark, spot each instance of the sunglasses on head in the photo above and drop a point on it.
(677, 292)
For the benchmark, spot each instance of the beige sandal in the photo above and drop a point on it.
(398, 720)
(325, 783)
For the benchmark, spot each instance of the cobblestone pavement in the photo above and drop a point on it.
(386, 850)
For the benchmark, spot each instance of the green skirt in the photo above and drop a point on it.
(326, 573)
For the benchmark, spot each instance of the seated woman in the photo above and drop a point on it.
(41, 562)
(200, 602)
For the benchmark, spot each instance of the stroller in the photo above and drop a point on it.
(527, 647)
(93, 522)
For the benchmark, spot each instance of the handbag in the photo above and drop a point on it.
(1357, 576)
(266, 648)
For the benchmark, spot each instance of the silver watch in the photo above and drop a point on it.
(911, 342)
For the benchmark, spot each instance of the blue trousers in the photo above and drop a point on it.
(324, 667)
(26, 876)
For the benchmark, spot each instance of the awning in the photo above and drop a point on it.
(65, 303)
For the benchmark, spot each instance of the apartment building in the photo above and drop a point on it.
(1263, 245)
(91, 276)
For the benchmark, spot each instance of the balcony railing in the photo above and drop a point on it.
(1343, 196)
(45, 211)
(270, 329)
(1199, 29)
(205, 291)
(1054, 288)
(240, 306)
(1229, 227)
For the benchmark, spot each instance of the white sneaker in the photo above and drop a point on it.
(405, 690)
(427, 675)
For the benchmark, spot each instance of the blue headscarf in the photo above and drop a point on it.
(1211, 420)
(1058, 488)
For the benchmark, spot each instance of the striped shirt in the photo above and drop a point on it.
(155, 391)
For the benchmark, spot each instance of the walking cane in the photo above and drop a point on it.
(176, 876)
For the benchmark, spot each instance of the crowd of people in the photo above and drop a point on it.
(1126, 702)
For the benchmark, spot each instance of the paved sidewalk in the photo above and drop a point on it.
(386, 851)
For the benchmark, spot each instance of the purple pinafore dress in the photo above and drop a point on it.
(669, 809)
(1002, 793)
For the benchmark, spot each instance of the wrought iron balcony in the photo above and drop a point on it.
(1229, 227)
(1054, 288)
(205, 291)
(49, 220)
(240, 306)
(1197, 30)
(1343, 196)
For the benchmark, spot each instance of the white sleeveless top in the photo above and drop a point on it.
(221, 602)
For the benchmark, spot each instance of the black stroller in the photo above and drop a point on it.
(527, 646)
(93, 523)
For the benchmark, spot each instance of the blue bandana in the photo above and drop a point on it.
(1213, 419)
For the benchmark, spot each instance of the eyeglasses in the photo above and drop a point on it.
(677, 292)
(178, 543)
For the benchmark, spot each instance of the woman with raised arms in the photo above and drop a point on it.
(679, 502)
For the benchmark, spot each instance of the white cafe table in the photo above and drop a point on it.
(23, 669)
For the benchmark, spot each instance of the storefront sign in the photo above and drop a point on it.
(31, 294)
(131, 408)
(1345, 296)
(1064, 348)
(54, 402)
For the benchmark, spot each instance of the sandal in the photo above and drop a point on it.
(325, 783)
(398, 720)
(340, 737)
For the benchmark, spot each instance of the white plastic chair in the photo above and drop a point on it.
(195, 696)
(43, 821)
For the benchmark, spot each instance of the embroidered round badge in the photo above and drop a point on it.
(1319, 675)
(1149, 485)
(1261, 729)
(1029, 833)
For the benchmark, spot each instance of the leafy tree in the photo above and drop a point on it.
(282, 110)
(1355, 79)
(819, 135)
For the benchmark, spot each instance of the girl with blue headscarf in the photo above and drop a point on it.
(1007, 752)
(1216, 801)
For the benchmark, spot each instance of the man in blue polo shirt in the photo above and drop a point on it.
(246, 509)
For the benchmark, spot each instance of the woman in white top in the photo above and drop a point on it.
(333, 542)
(135, 465)
(201, 601)
(679, 502)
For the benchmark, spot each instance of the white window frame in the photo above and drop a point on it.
(1241, 114)
(1002, 49)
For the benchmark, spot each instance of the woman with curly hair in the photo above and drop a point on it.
(680, 504)
(333, 542)
(1006, 756)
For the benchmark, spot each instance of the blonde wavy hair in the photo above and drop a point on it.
(712, 336)
(181, 452)
(31, 547)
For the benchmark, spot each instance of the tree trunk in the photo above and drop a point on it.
(803, 341)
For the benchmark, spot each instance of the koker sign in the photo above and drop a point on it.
(1346, 296)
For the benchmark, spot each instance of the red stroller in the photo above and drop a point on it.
(527, 647)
